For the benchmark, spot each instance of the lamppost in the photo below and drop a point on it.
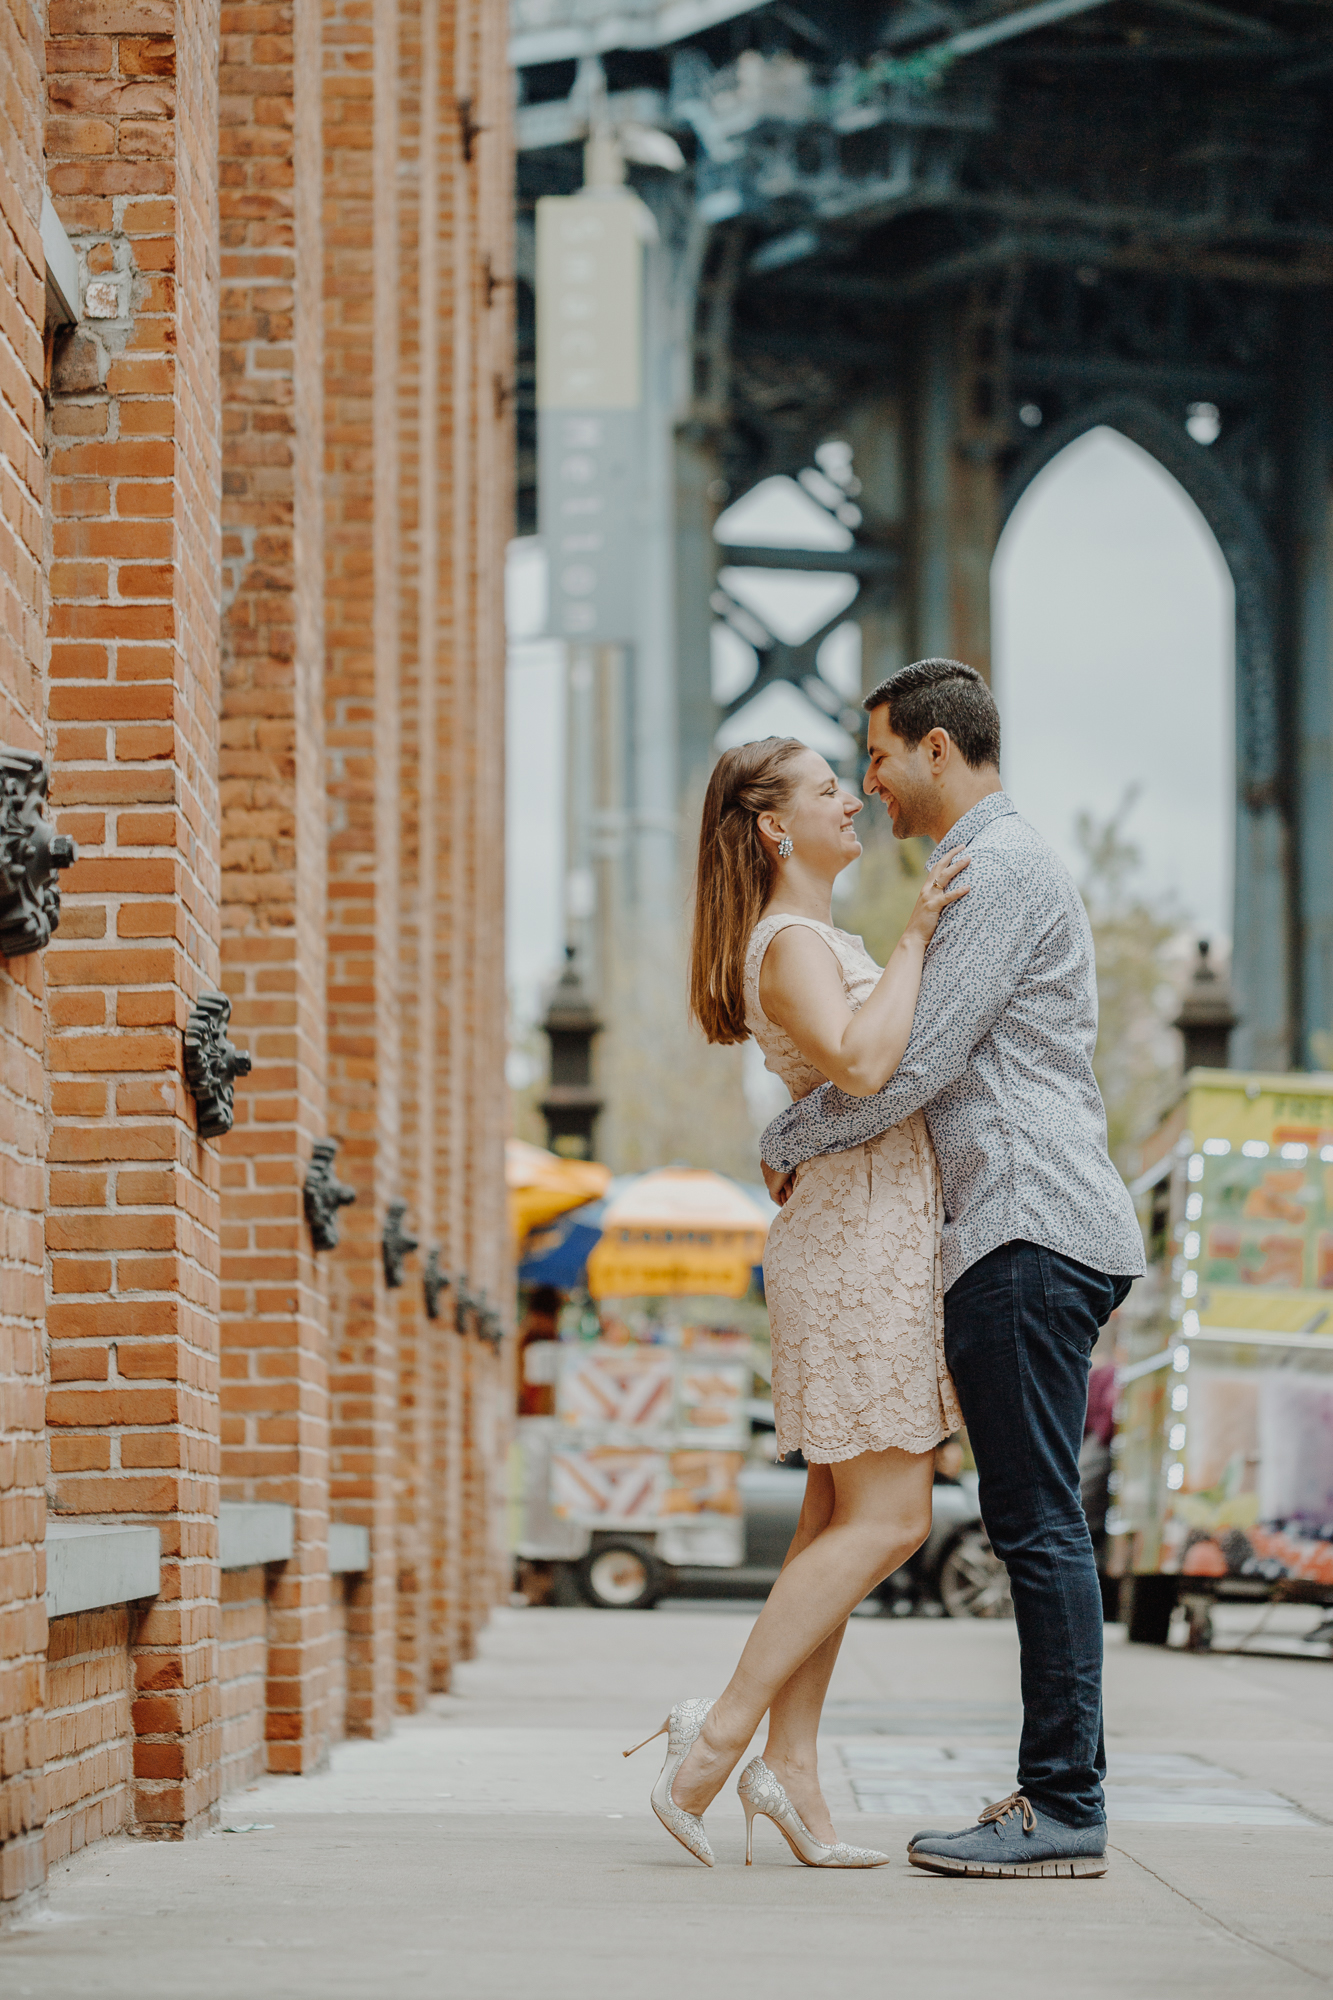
(571, 1104)
(1206, 1018)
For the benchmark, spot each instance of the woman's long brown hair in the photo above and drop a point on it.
(734, 877)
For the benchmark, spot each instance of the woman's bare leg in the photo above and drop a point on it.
(793, 1727)
(880, 1515)
(795, 1710)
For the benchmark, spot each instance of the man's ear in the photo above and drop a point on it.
(940, 744)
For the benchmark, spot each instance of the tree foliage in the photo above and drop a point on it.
(671, 1098)
(1137, 936)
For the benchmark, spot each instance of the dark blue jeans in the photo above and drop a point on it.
(1019, 1328)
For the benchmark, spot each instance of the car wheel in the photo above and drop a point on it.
(973, 1582)
(621, 1576)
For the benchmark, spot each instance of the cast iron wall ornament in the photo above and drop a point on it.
(433, 1282)
(490, 1326)
(396, 1245)
(212, 1063)
(464, 1304)
(30, 856)
(324, 1196)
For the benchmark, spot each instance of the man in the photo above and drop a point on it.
(1040, 1238)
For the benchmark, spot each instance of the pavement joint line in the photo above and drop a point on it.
(1241, 1937)
(1178, 1788)
(1312, 1812)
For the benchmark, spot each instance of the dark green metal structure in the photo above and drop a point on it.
(961, 236)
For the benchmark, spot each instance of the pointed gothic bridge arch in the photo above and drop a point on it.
(958, 237)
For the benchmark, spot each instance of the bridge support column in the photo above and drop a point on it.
(696, 575)
(1310, 643)
(954, 496)
(879, 457)
(1261, 939)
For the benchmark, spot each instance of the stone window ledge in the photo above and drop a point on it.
(255, 1531)
(349, 1549)
(91, 1564)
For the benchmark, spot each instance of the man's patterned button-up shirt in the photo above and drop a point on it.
(1000, 1060)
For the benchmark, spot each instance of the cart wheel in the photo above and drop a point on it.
(1147, 1603)
(973, 1582)
(621, 1576)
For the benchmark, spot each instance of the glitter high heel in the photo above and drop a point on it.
(680, 1729)
(760, 1792)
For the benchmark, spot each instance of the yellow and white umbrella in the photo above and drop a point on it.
(679, 1231)
(541, 1185)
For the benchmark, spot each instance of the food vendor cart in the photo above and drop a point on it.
(636, 1472)
(1222, 1458)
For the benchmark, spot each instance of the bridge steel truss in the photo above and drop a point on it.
(960, 237)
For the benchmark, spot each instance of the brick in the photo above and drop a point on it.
(115, 1052)
(110, 1232)
(78, 1190)
(73, 1010)
(145, 920)
(111, 17)
(147, 966)
(139, 1010)
(125, 1319)
(132, 875)
(88, 55)
(101, 1408)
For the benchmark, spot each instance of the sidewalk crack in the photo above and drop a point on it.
(1241, 1937)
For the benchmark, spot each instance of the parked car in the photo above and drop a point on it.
(953, 1574)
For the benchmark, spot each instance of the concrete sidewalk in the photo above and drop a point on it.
(501, 1846)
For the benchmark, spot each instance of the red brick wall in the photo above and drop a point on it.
(361, 633)
(446, 1550)
(482, 353)
(22, 1135)
(133, 631)
(243, 1645)
(89, 1732)
(448, 205)
(275, 1306)
(345, 645)
(337, 1681)
(492, 404)
(418, 287)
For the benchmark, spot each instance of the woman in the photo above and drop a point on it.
(851, 1273)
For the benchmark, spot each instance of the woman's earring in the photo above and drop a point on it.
(784, 847)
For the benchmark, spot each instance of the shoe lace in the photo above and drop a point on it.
(1003, 1808)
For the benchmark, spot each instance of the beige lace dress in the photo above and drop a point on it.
(852, 1265)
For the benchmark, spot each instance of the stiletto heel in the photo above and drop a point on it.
(749, 1830)
(649, 1739)
(760, 1792)
(680, 1728)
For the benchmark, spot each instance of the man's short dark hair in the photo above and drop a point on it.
(942, 694)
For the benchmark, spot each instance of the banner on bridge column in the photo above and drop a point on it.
(589, 385)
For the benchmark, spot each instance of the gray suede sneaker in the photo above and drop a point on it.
(1013, 1838)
